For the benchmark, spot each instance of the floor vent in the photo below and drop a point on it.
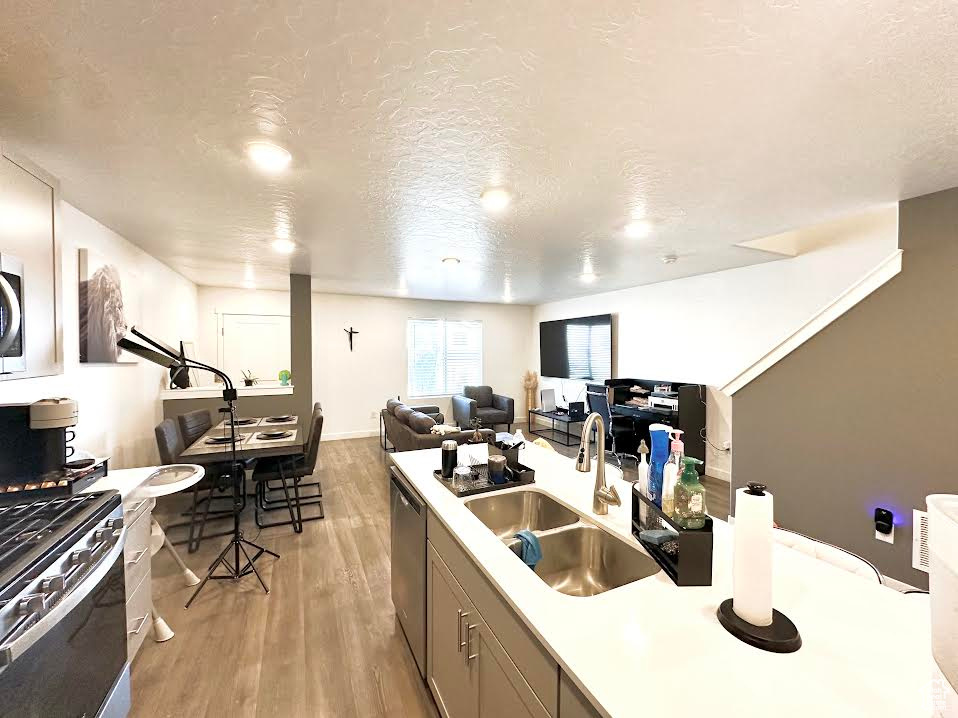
(919, 542)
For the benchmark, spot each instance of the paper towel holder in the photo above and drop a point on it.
(780, 637)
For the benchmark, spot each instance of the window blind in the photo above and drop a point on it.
(443, 355)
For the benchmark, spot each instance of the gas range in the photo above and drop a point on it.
(62, 604)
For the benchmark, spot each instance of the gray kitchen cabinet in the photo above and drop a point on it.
(502, 689)
(468, 671)
(572, 704)
(30, 316)
(448, 671)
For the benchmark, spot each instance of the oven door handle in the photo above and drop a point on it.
(9, 298)
(10, 651)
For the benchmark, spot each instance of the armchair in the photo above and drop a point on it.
(479, 402)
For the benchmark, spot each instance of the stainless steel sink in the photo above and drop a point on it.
(583, 560)
(505, 514)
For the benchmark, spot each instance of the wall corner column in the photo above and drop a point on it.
(301, 344)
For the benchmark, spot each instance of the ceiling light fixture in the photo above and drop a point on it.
(587, 277)
(249, 284)
(284, 246)
(495, 199)
(450, 261)
(638, 228)
(268, 157)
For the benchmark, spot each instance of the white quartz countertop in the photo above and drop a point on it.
(130, 482)
(652, 648)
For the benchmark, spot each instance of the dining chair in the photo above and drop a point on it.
(193, 424)
(835, 555)
(293, 468)
(170, 444)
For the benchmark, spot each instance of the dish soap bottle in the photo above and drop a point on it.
(670, 474)
(660, 453)
(690, 497)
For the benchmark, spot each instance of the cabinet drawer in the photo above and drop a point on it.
(139, 612)
(136, 553)
(535, 664)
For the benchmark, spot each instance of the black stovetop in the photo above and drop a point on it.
(34, 533)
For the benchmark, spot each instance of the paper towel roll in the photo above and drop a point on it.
(752, 559)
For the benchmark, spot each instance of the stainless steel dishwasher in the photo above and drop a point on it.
(407, 513)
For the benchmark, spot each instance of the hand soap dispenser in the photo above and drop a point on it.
(690, 497)
(670, 475)
(660, 453)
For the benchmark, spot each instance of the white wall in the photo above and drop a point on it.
(215, 301)
(119, 405)
(354, 386)
(708, 328)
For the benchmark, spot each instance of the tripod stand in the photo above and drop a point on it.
(233, 569)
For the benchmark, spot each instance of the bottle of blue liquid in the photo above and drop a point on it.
(660, 454)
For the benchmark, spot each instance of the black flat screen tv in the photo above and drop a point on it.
(578, 348)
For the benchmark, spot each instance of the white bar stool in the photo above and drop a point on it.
(164, 481)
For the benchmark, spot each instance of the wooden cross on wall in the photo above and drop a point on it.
(350, 332)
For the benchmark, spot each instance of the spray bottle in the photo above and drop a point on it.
(671, 472)
(643, 477)
(660, 453)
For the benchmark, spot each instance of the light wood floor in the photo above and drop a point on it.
(324, 642)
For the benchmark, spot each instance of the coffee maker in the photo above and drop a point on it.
(34, 439)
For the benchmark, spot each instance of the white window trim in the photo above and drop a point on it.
(482, 353)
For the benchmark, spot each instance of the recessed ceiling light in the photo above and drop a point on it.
(669, 259)
(450, 261)
(638, 228)
(284, 246)
(249, 284)
(495, 199)
(587, 277)
(268, 157)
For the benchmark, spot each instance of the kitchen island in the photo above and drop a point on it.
(652, 648)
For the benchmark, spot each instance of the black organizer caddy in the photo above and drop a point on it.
(516, 475)
(687, 557)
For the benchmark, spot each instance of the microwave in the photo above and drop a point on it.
(12, 358)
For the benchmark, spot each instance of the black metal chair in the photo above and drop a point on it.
(270, 472)
(599, 403)
(170, 445)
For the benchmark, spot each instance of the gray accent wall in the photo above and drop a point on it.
(301, 344)
(865, 413)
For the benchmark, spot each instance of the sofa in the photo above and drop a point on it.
(480, 402)
(410, 427)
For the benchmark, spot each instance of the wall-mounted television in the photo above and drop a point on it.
(578, 348)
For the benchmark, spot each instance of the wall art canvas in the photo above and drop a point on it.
(108, 305)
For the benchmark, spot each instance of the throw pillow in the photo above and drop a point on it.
(421, 423)
(403, 413)
(392, 404)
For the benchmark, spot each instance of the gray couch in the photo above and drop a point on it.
(479, 402)
(409, 428)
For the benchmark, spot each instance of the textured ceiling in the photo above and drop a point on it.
(719, 121)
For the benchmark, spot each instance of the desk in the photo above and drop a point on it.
(566, 438)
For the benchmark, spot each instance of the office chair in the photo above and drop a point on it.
(599, 403)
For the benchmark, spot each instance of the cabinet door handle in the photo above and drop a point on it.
(139, 626)
(138, 556)
(469, 628)
(460, 644)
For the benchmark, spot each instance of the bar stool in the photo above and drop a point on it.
(163, 482)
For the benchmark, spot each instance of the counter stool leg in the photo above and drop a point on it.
(161, 629)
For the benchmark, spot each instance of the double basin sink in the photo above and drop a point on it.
(578, 558)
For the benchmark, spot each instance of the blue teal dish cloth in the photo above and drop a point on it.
(531, 550)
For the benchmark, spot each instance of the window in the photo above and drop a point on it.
(590, 351)
(443, 355)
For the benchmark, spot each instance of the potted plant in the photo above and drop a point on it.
(249, 379)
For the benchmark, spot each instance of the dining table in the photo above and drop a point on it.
(253, 440)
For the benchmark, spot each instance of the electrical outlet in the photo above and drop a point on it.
(887, 538)
(372, 414)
